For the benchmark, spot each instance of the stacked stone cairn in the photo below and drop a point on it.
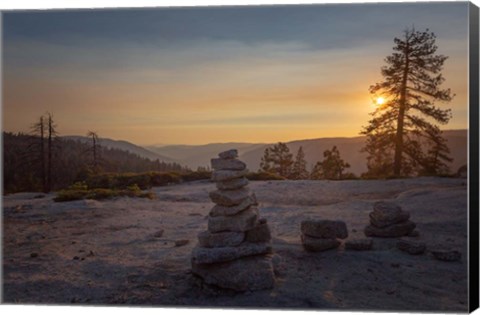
(235, 252)
(389, 220)
(321, 235)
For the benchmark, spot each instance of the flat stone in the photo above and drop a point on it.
(396, 230)
(229, 154)
(218, 210)
(411, 247)
(359, 244)
(230, 164)
(377, 221)
(324, 228)
(387, 213)
(240, 222)
(251, 273)
(221, 239)
(232, 184)
(313, 244)
(259, 234)
(202, 255)
(447, 255)
(229, 197)
(225, 175)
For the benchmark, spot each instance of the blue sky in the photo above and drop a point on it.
(216, 74)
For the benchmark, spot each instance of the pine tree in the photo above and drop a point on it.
(95, 150)
(299, 170)
(436, 159)
(277, 160)
(332, 166)
(38, 147)
(411, 86)
(52, 134)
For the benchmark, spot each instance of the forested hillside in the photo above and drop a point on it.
(25, 168)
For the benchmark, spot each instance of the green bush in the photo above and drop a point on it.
(77, 192)
(163, 179)
(261, 175)
(101, 193)
(101, 181)
(70, 195)
(196, 175)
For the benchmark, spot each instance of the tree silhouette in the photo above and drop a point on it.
(434, 163)
(411, 86)
(94, 149)
(277, 160)
(299, 170)
(52, 134)
(331, 167)
(37, 148)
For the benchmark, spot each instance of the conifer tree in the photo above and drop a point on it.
(332, 166)
(277, 160)
(411, 86)
(95, 150)
(299, 170)
(52, 134)
(38, 130)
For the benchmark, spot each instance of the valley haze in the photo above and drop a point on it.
(194, 156)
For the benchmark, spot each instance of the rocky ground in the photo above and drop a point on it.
(137, 251)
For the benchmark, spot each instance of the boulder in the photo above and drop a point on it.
(222, 239)
(230, 164)
(251, 273)
(229, 197)
(411, 247)
(447, 255)
(387, 213)
(384, 221)
(202, 255)
(324, 228)
(218, 210)
(240, 222)
(359, 244)
(313, 244)
(259, 234)
(232, 184)
(396, 230)
(229, 154)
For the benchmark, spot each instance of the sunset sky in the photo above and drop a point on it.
(218, 74)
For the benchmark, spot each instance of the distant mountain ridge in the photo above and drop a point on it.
(194, 156)
(124, 145)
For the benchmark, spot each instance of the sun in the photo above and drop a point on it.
(380, 101)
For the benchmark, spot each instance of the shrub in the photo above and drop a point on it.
(77, 192)
(163, 179)
(261, 175)
(101, 193)
(101, 181)
(196, 175)
(70, 195)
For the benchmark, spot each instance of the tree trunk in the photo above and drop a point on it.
(49, 170)
(397, 163)
(42, 155)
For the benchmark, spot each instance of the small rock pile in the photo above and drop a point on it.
(321, 235)
(389, 220)
(235, 251)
